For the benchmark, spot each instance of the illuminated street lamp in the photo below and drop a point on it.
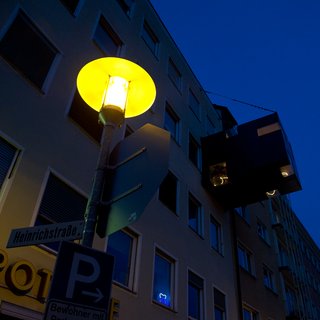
(117, 89)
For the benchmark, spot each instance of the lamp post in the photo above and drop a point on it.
(117, 88)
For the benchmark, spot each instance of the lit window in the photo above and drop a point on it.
(126, 6)
(150, 38)
(168, 192)
(195, 214)
(8, 156)
(194, 151)
(194, 104)
(163, 279)
(71, 5)
(245, 259)
(219, 305)
(268, 278)
(195, 296)
(174, 74)
(171, 123)
(106, 38)
(86, 117)
(123, 246)
(27, 50)
(249, 314)
(262, 231)
(60, 203)
(215, 235)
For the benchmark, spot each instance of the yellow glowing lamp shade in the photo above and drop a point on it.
(136, 87)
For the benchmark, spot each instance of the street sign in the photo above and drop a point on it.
(45, 234)
(81, 284)
(138, 164)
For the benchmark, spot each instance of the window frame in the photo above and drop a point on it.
(174, 74)
(198, 229)
(165, 201)
(106, 27)
(248, 265)
(194, 104)
(194, 151)
(43, 40)
(127, 9)
(262, 231)
(198, 283)
(173, 270)
(171, 114)
(218, 233)
(133, 257)
(38, 217)
(254, 315)
(268, 278)
(217, 305)
(150, 38)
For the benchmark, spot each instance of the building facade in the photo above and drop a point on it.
(187, 257)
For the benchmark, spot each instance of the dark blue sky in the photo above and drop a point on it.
(266, 53)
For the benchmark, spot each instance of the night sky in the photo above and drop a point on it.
(265, 53)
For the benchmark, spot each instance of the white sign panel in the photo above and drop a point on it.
(46, 233)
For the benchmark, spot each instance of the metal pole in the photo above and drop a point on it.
(90, 216)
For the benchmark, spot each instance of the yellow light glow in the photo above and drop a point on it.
(94, 76)
(116, 93)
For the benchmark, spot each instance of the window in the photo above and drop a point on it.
(60, 203)
(123, 246)
(174, 74)
(106, 38)
(71, 5)
(262, 231)
(219, 305)
(195, 296)
(126, 5)
(211, 128)
(168, 192)
(163, 279)
(245, 259)
(243, 212)
(27, 50)
(194, 104)
(128, 131)
(150, 38)
(195, 214)
(194, 151)
(249, 314)
(86, 117)
(171, 123)
(215, 235)
(8, 156)
(268, 278)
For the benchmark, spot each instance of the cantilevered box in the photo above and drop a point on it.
(249, 163)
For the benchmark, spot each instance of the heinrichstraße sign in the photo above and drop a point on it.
(45, 234)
